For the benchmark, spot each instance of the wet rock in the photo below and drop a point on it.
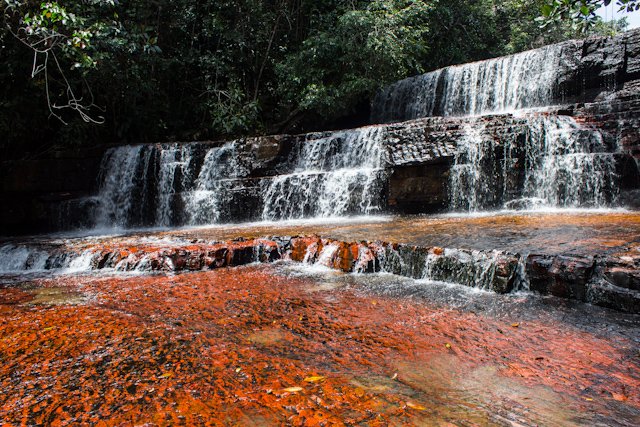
(304, 249)
(267, 251)
(218, 258)
(241, 255)
(367, 261)
(603, 293)
(493, 271)
(562, 276)
(622, 271)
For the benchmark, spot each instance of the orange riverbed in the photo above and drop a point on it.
(272, 345)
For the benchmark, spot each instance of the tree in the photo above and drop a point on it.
(581, 12)
(349, 54)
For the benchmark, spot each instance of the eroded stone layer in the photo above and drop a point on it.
(607, 279)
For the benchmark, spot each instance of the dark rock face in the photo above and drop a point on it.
(562, 276)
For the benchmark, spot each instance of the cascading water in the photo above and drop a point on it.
(470, 188)
(562, 165)
(175, 163)
(172, 184)
(555, 162)
(15, 258)
(334, 175)
(497, 85)
(124, 186)
(139, 184)
(206, 203)
(567, 165)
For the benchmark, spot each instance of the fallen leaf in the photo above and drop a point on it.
(315, 379)
(166, 375)
(416, 406)
(293, 389)
(620, 397)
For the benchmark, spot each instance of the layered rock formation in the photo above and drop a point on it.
(610, 281)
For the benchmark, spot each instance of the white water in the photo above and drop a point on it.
(35, 259)
(122, 173)
(335, 175)
(175, 163)
(565, 166)
(14, 258)
(206, 203)
(468, 185)
(497, 85)
(344, 173)
(170, 184)
(470, 268)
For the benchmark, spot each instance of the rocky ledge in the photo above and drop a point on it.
(611, 281)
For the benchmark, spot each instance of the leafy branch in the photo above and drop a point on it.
(50, 30)
(581, 12)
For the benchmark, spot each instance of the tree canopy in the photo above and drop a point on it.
(581, 12)
(94, 71)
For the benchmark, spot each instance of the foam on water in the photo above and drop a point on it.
(336, 175)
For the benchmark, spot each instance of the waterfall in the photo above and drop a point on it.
(15, 258)
(499, 85)
(509, 161)
(124, 188)
(560, 164)
(567, 165)
(334, 175)
(138, 185)
(470, 187)
(174, 184)
(206, 203)
(174, 175)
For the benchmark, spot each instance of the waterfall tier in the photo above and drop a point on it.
(320, 175)
(574, 71)
(466, 164)
(498, 85)
(557, 163)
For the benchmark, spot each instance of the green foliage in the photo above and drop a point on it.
(582, 13)
(349, 55)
